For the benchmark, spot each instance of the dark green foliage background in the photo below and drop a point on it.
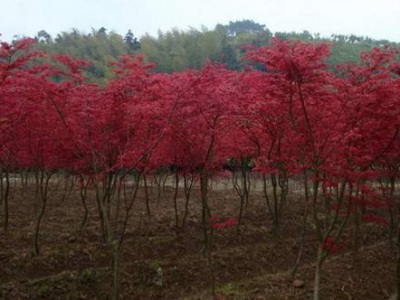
(177, 50)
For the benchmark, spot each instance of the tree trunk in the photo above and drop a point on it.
(146, 193)
(301, 242)
(175, 200)
(238, 182)
(188, 185)
(116, 268)
(317, 276)
(5, 192)
(205, 213)
(83, 194)
(43, 189)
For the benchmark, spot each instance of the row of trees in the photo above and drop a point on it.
(98, 47)
(177, 50)
(287, 116)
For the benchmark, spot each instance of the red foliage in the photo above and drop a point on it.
(331, 245)
(218, 222)
(375, 219)
(295, 116)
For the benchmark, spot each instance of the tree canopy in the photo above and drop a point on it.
(177, 50)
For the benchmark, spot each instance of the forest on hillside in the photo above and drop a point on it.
(177, 50)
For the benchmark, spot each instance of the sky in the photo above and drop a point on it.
(378, 19)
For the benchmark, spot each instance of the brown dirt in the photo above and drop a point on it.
(252, 264)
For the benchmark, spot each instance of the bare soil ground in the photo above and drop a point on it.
(158, 264)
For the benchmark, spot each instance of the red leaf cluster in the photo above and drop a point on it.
(331, 245)
(218, 223)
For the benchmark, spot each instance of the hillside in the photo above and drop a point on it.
(177, 50)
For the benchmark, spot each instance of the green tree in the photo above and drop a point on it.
(244, 26)
(131, 41)
(98, 47)
(43, 37)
